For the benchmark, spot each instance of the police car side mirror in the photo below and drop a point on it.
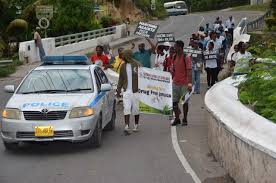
(9, 88)
(106, 87)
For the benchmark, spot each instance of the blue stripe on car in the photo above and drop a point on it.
(97, 99)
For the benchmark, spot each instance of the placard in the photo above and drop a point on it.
(165, 37)
(146, 30)
(155, 91)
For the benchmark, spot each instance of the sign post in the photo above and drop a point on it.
(44, 14)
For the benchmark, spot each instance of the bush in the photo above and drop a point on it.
(108, 21)
(259, 90)
(270, 22)
(9, 69)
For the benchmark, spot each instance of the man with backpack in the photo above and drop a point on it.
(182, 82)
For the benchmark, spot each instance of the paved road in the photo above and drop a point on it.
(147, 157)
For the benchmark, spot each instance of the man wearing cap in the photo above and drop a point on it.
(167, 47)
(38, 43)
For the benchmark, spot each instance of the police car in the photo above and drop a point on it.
(64, 99)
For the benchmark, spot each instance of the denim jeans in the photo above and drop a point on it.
(196, 79)
(41, 52)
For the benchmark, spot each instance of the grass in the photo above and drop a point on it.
(10, 68)
(263, 7)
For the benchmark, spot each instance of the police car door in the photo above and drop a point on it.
(107, 98)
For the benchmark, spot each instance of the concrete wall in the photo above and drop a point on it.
(29, 53)
(241, 140)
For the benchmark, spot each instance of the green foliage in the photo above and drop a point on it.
(71, 16)
(17, 28)
(145, 6)
(270, 22)
(263, 45)
(9, 69)
(273, 7)
(259, 90)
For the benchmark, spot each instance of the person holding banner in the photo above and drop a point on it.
(128, 81)
(182, 82)
(143, 55)
(168, 63)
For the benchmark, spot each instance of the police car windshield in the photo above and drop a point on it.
(57, 81)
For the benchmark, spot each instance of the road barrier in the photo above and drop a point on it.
(259, 23)
(83, 36)
(4, 63)
(80, 43)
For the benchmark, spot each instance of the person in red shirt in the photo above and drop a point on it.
(182, 82)
(168, 63)
(99, 58)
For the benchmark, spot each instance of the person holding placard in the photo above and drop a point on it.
(211, 56)
(144, 55)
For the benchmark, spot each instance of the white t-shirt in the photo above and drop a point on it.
(159, 60)
(129, 78)
(239, 56)
(229, 23)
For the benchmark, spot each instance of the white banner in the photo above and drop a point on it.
(155, 91)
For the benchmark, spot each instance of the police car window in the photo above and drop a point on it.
(102, 76)
(57, 80)
(97, 81)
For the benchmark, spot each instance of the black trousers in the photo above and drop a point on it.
(212, 76)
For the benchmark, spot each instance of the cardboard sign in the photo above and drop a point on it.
(165, 37)
(146, 30)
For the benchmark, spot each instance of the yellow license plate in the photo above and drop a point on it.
(44, 131)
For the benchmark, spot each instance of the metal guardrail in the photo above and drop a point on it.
(259, 23)
(83, 36)
(242, 25)
(4, 63)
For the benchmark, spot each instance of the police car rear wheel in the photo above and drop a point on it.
(11, 146)
(96, 138)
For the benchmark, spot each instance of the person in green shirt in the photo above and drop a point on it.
(143, 55)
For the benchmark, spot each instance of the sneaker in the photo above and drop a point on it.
(136, 128)
(176, 122)
(184, 123)
(127, 130)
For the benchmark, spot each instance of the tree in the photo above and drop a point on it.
(70, 16)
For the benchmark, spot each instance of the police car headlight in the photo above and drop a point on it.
(80, 112)
(10, 113)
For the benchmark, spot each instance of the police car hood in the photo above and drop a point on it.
(37, 102)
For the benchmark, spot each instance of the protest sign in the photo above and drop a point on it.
(146, 30)
(165, 37)
(155, 91)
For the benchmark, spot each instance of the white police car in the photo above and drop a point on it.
(64, 99)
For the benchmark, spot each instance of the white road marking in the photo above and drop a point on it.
(183, 141)
(181, 156)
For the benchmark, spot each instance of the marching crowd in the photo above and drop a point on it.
(207, 50)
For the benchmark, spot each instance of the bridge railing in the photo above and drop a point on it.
(259, 23)
(83, 36)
